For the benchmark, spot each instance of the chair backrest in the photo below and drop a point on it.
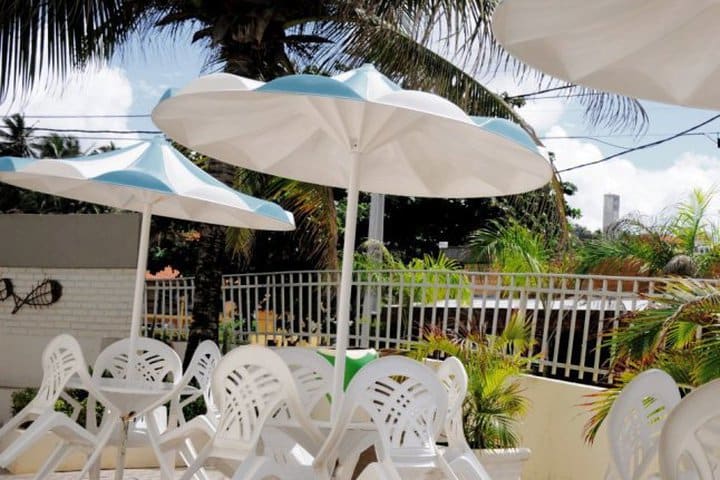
(249, 384)
(454, 378)
(313, 374)
(407, 404)
(196, 382)
(153, 362)
(61, 359)
(636, 419)
(201, 367)
(681, 448)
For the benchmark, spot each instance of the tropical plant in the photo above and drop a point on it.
(678, 333)
(495, 402)
(17, 139)
(59, 146)
(684, 242)
(425, 280)
(511, 247)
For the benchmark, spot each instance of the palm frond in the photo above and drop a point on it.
(315, 216)
(43, 40)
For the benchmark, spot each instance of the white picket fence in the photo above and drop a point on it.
(568, 315)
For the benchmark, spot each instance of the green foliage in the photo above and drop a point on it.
(425, 280)
(229, 334)
(678, 333)
(21, 398)
(511, 247)
(690, 225)
(495, 402)
(648, 247)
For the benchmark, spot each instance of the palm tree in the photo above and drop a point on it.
(669, 247)
(59, 146)
(264, 39)
(678, 333)
(17, 138)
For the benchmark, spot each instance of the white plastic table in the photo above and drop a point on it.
(133, 400)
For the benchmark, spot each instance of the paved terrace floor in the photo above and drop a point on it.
(145, 474)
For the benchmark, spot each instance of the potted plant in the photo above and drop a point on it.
(495, 403)
(179, 341)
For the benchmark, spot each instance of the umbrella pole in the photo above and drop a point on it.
(343, 316)
(140, 281)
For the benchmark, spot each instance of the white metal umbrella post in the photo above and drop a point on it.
(139, 290)
(346, 280)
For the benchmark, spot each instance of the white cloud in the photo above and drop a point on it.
(643, 191)
(95, 91)
(540, 114)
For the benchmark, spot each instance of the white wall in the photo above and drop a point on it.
(553, 431)
(95, 304)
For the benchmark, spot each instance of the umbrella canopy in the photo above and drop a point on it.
(357, 130)
(659, 50)
(149, 177)
(304, 126)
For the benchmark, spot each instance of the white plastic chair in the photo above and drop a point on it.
(194, 384)
(635, 421)
(249, 384)
(688, 443)
(154, 363)
(313, 376)
(408, 405)
(62, 359)
(459, 455)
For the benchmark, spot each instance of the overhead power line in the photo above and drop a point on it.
(110, 115)
(85, 130)
(643, 146)
(540, 92)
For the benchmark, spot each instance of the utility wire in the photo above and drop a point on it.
(597, 138)
(110, 115)
(540, 92)
(643, 146)
(82, 130)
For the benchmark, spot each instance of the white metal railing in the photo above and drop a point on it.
(568, 315)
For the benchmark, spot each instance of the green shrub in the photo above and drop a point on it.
(21, 398)
(494, 403)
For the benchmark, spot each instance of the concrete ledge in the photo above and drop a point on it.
(553, 431)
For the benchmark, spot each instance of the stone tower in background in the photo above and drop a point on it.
(611, 210)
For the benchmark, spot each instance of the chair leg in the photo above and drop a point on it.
(166, 471)
(93, 461)
(198, 463)
(188, 454)
(30, 436)
(53, 460)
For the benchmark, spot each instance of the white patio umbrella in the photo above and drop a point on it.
(359, 131)
(661, 50)
(152, 178)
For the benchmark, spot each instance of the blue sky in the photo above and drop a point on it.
(649, 181)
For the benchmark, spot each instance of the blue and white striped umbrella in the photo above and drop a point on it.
(357, 130)
(149, 177)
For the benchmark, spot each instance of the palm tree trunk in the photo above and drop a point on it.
(207, 300)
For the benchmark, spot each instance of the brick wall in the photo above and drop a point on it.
(96, 304)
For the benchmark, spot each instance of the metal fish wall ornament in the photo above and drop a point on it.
(6, 289)
(44, 294)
